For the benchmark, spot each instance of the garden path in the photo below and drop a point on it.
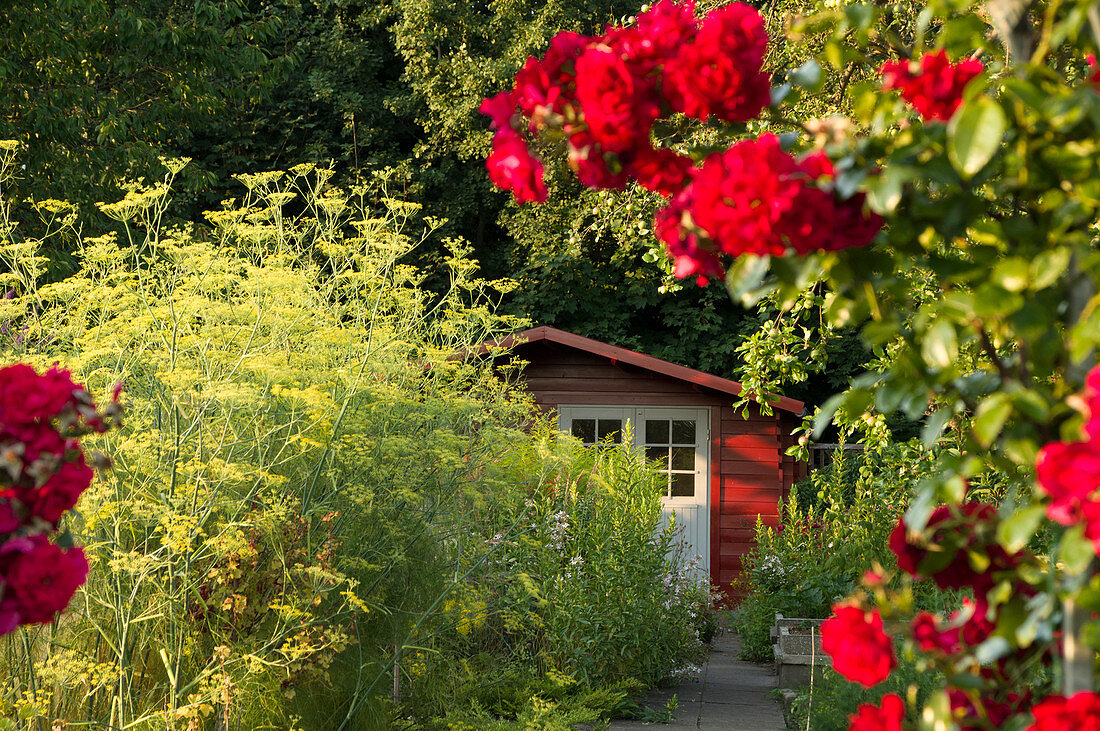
(732, 695)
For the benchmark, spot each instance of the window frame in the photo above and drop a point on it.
(637, 415)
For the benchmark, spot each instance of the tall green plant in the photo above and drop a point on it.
(298, 461)
(584, 598)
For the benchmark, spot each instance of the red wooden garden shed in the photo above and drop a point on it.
(724, 470)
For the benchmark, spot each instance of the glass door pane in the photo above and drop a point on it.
(594, 425)
(671, 444)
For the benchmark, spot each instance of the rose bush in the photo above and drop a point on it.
(42, 475)
(935, 89)
(603, 96)
(976, 292)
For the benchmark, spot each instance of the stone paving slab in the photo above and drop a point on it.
(733, 695)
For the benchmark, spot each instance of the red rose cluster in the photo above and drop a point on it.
(974, 710)
(755, 198)
(960, 634)
(957, 549)
(967, 627)
(934, 86)
(1069, 472)
(42, 474)
(604, 94)
(860, 649)
(954, 533)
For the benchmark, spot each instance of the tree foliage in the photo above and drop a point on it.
(96, 90)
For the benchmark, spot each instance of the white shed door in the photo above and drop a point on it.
(676, 440)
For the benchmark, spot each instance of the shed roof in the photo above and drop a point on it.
(640, 360)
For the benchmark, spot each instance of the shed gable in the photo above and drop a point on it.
(558, 374)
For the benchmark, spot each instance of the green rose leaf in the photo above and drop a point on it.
(992, 649)
(974, 135)
(933, 428)
(1016, 530)
(1013, 274)
(990, 417)
(808, 75)
(1075, 551)
(745, 279)
(936, 713)
(940, 346)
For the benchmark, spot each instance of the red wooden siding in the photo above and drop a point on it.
(714, 497)
(793, 470)
(749, 473)
(751, 485)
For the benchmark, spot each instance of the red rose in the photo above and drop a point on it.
(691, 258)
(659, 34)
(817, 166)
(853, 224)
(873, 718)
(618, 107)
(512, 167)
(9, 522)
(26, 397)
(930, 638)
(499, 109)
(811, 223)
(39, 578)
(1091, 397)
(955, 534)
(1090, 516)
(1094, 77)
(1080, 712)
(936, 87)
(1070, 474)
(873, 577)
(38, 439)
(61, 491)
(543, 87)
(860, 650)
(972, 711)
(592, 164)
(9, 619)
(742, 196)
(967, 627)
(719, 73)
(823, 223)
(663, 171)
(977, 628)
(909, 556)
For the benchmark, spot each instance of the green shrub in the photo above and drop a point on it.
(581, 590)
(753, 620)
(299, 460)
